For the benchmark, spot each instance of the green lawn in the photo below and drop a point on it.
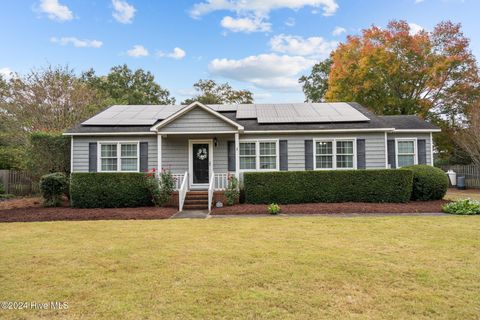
(254, 268)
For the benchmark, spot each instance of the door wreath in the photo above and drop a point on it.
(202, 153)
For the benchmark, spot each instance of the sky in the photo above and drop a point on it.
(260, 45)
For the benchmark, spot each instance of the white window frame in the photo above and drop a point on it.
(415, 150)
(257, 154)
(334, 153)
(119, 155)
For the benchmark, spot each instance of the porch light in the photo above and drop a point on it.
(215, 141)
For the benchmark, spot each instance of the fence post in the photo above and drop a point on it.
(4, 175)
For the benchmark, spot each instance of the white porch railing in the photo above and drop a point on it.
(221, 180)
(178, 180)
(182, 192)
(211, 187)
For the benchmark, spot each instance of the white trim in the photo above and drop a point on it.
(108, 133)
(386, 151)
(159, 153)
(431, 149)
(415, 150)
(190, 160)
(119, 157)
(165, 133)
(190, 107)
(319, 131)
(71, 154)
(418, 130)
(334, 153)
(257, 154)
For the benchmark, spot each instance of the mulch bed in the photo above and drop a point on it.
(331, 208)
(30, 209)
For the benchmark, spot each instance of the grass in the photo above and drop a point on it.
(455, 194)
(258, 268)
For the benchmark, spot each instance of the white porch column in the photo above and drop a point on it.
(159, 153)
(237, 156)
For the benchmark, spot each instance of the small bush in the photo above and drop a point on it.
(429, 183)
(328, 186)
(232, 193)
(273, 208)
(109, 190)
(53, 186)
(463, 207)
(2, 188)
(160, 189)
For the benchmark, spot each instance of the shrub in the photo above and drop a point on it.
(232, 193)
(160, 189)
(328, 186)
(273, 208)
(48, 152)
(109, 190)
(464, 207)
(429, 183)
(2, 188)
(53, 186)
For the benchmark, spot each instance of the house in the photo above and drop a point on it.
(202, 144)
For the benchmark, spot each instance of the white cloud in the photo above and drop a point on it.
(261, 7)
(338, 31)
(6, 73)
(269, 71)
(415, 28)
(177, 53)
(55, 10)
(123, 12)
(78, 43)
(253, 24)
(290, 22)
(138, 51)
(418, 1)
(295, 45)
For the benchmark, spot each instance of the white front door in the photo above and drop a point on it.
(200, 162)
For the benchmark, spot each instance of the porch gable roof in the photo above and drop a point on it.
(169, 120)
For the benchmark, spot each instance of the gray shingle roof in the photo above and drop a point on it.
(374, 122)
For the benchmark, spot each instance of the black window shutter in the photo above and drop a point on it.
(92, 157)
(143, 156)
(361, 156)
(422, 151)
(231, 155)
(308, 154)
(391, 153)
(283, 154)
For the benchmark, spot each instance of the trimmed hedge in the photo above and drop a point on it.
(53, 186)
(328, 186)
(109, 190)
(429, 183)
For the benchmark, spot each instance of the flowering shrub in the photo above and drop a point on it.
(160, 189)
(232, 192)
(273, 208)
(464, 207)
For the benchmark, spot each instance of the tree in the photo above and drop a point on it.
(124, 86)
(468, 137)
(392, 71)
(315, 85)
(212, 93)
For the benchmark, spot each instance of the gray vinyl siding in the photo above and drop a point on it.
(197, 120)
(374, 147)
(425, 136)
(175, 152)
(80, 149)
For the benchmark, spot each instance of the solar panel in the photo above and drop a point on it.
(133, 114)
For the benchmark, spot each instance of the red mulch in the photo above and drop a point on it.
(30, 209)
(328, 208)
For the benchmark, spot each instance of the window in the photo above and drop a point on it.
(406, 152)
(335, 154)
(259, 155)
(119, 157)
(324, 155)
